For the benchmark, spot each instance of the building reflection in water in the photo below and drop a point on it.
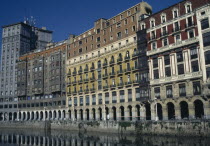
(66, 138)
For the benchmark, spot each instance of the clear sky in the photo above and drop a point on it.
(66, 17)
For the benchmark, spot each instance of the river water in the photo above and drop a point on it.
(29, 137)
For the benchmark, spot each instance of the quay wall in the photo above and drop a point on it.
(170, 128)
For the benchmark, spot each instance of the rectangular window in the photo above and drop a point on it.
(195, 67)
(204, 23)
(137, 94)
(154, 46)
(87, 100)
(129, 94)
(165, 42)
(191, 33)
(122, 95)
(81, 101)
(114, 97)
(182, 90)
(106, 98)
(157, 92)
(156, 74)
(206, 39)
(180, 69)
(155, 63)
(75, 101)
(93, 99)
(179, 57)
(196, 88)
(100, 98)
(167, 60)
(208, 72)
(168, 71)
(193, 53)
(169, 91)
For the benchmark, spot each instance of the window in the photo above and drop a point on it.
(165, 42)
(156, 74)
(157, 92)
(208, 72)
(93, 99)
(98, 39)
(129, 94)
(167, 59)
(206, 39)
(114, 97)
(98, 31)
(122, 96)
(182, 90)
(196, 88)
(163, 18)
(207, 57)
(106, 98)
(176, 26)
(152, 23)
(168, 71)
(154, 46)
(195, 67)
(179, 57)
(193, 53)
(134, 28)
(137, 94)
(80, 50)
(180, 69)
(189, 21)
(175, 13)
(188, 8)
(155, 63)
(191, 33)
(169, 91)
(204, 23)
(119, 35)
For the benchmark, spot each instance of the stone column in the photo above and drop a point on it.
(85, 115)
(133, 94)
(177, 112)
(153, 112)
(134, 114)
(78, 115)
(126, 110)
(118, 114)
(207, 110)
(118, 96)
(164, 112)
(126, 95)
(12, 116)
(191, 108)
(67, 115)
(150, 62)
(97, 115)
(187, 64)
(111, 114)
(173, 62)
(160, 66)
(142, 113)
(73, 114)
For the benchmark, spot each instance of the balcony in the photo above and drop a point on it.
(113, 86)
(135, 68)
(128, 83)
(120, 85)
(136, 82)
(119, 72)
(92, 68)
(68, 93)
(86, 70)
(111, 62)
(128, 70)
(74, 73)
(92, 90)
(74, 92)
(80, 91)
(106, 87)
(119, 60)
(164, 33)
(127, 58)
(69, 74)
(189, 25)
(92, 79)
(176, 29)
(135, 54)
(74, 82)
(86, 91)
(68, 83)
(80, 81)
(112, 74)
(86, 80)
(80, 71)
(105, 65)
(152, 38)
(105, 75)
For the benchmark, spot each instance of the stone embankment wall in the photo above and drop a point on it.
(176, 128)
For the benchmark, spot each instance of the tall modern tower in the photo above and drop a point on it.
(17, 39)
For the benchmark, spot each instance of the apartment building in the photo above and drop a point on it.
(178, 41)
(103, 69)
(17, 39)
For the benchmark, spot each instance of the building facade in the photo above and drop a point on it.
(177, 39)
(17, 39)
(103, 73)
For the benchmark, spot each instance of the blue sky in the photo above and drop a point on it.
(66, 17)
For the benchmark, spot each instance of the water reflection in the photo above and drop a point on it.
(66, 138)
